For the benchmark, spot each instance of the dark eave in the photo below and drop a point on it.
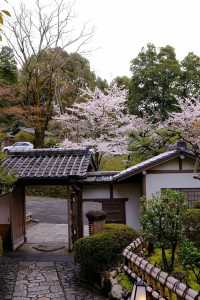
(99, 177)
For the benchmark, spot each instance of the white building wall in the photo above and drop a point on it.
(155, 182)
(96, 191)
(169, 165)
(131, 191)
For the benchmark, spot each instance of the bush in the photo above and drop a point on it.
(102, 251)
(190, 258)
(54, 191)
(51, 142)
(162, 222)
(24, 136)
(192, 225)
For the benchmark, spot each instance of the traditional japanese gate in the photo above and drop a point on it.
(48, 167)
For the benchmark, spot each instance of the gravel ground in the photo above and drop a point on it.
(53, 210)
(47, 210)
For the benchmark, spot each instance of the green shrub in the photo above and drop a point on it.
(24, 136)
(51, 142)
(102, 251)
(192, 225)
(54, 191)
(190, 258)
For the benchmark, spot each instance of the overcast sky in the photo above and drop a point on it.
(123, 27)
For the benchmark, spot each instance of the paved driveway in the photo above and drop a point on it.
(54, 210)
(47, 210)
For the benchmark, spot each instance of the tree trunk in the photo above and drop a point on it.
(39, 138)
(98, 158)
(173, 257)
(164, 259)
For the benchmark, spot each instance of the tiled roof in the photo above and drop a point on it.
(150, 163)
(49, 163)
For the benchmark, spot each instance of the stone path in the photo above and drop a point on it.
(8, 275)
(42, 280)
(37, 280)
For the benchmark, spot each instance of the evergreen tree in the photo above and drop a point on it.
(190, 76)
(8, 67)
(153, 88)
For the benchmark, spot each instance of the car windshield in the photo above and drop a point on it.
(21, 144)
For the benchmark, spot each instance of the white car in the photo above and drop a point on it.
(19, 146)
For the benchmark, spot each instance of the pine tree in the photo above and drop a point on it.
(8, 67)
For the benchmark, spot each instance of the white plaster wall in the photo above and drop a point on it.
(170, 165)
(131, 191)
(155, 182)
(96, 191)
(188, 164)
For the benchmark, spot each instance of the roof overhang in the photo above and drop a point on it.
(50, 165)
(151, 163)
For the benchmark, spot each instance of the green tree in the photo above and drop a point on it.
(8, 66)
(190, 76)
(148, 143)
(77, 75)
(190, 258)
(6, 179)
(102, 84)
(121, 81)
(43, 80)
(153, 86)
(162, 222)
(52, 77)
(3, 14)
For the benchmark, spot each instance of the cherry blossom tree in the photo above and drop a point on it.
(187, 122)
(102, 123)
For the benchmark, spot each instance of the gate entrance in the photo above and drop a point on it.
(47, 167)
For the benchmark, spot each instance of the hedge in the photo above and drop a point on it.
(192, 225)
(102, 251)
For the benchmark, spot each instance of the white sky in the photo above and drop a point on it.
(123, 27)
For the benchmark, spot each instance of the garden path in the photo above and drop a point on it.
(45, 278)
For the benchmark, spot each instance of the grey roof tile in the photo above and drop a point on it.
(49, 163)
(149, 163)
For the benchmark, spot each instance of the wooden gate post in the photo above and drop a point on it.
(17, 207)
(75, 215)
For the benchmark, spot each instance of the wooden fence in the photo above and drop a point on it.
(160, 285)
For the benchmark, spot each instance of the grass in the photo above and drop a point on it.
(114, 162)
(156, 259)
(125, 282)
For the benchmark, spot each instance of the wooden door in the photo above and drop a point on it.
(18, 217)
(115, 210)
(75, 218)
